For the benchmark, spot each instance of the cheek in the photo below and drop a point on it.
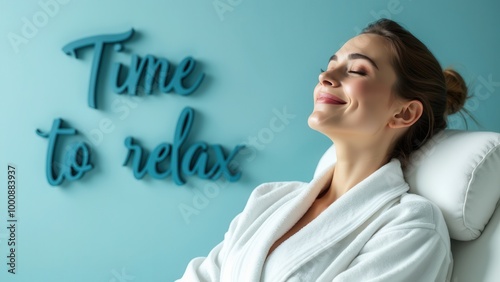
(365, 91)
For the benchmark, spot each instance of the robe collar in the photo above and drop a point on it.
(339, 220)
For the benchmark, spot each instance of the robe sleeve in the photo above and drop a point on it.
(417, 254)
(207, 269)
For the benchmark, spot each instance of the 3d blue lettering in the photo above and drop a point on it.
(195, 160)
(148, 69)
(98, 42)
(76, 160)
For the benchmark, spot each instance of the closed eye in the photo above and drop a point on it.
(362, 73)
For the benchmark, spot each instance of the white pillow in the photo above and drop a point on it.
(457, 170)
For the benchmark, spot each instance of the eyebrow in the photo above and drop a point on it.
(354, 56)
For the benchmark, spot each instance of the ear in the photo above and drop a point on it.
(408, 113)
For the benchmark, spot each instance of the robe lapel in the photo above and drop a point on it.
(339, 220)
(249, 260)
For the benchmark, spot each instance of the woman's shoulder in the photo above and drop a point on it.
(416, 212)
(418, 207)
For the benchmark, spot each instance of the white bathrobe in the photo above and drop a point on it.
(374, 232)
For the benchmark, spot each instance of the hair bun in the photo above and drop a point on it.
(456, 91)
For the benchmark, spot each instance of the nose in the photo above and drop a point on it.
(327, 78)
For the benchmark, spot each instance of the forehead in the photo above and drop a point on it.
(374, 46)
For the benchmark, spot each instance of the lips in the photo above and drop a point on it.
(329, 99)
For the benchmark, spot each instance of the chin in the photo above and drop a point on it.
(326, 125)
(317, 122)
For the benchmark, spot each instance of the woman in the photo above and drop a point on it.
(382, 96)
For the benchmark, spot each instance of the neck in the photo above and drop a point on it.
(354, 163)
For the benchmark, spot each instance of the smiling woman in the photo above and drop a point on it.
(382, 96)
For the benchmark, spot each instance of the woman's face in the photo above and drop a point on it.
(354, 94)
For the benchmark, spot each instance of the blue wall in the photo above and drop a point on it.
(261, 60)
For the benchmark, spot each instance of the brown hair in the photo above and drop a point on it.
(420, 77)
